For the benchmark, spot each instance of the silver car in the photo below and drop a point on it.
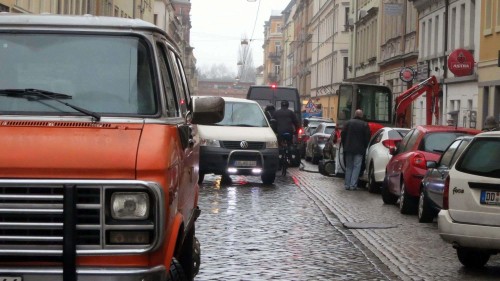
(317, 141)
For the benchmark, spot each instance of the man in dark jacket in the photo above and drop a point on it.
(355, 137)
(286, 122)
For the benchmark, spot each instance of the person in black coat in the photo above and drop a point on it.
(286, 122)
(355, 137)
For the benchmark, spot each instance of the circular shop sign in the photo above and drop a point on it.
(461, 62)
(407, 74)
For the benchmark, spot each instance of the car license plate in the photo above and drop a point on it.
(11, 278)
(241, 163)
(490, 197)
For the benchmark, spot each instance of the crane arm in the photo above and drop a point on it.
(430, 86)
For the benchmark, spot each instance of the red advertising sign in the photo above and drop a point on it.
(461, 62)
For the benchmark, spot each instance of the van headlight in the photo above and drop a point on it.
(271, 144)
(212, 143)
(130, 205)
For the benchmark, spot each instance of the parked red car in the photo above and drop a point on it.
(407, 167)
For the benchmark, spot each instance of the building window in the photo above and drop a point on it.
(346, 22)
(346, 67)
(488, 22)
(497, 28)
(276, 69)
(3, 8)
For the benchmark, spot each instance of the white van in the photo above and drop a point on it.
(243, 143)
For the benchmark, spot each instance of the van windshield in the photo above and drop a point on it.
(243, 114)
(104, 74)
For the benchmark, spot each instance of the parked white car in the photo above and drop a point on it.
(470, 217)
(243, 143)
(377, 155)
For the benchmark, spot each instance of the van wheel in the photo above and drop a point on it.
(226, 179)
(189, 259)
(176, 273)
(472, 258)
(201, 177)
(268, 177)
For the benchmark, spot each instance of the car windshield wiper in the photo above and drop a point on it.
(37, 94)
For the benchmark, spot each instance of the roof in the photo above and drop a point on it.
(495, 134)
(231, 99)
(61, 21)
(439, 128)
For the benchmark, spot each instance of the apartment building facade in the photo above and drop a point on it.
(365, 41)
(287, 54)
(302, 48)
(489, 61)
(447, 26)
(399, 43)
(329, 57)
(399, 50)
(273, 39)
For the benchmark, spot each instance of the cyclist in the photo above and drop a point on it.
(286, 123)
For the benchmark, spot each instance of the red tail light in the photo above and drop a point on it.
(300, 132)
(389, 143)
(446, 192)
(418, 161)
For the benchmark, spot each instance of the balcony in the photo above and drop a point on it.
(275, 56)
(272, 77)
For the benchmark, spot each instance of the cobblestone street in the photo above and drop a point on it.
(294, 230)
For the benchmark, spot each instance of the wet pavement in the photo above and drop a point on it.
(307, 227)
(249, 231)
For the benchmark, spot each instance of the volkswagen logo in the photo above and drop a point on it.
(244, 144)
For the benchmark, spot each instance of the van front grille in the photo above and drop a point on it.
(237, 145)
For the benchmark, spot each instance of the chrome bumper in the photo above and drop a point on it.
(158, 273)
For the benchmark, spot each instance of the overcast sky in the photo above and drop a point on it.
(219, 25)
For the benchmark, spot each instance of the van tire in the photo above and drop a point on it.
(472, 258)
(268, 177)
(190, 257)
(176, 273)
(201, 177)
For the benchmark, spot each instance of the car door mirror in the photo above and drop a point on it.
(393, 150)
(207, 110)
(431, 164)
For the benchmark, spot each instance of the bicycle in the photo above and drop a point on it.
(285, 157)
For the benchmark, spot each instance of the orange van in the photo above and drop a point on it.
(98, 154)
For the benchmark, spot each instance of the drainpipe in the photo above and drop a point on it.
(445, 61)
(134, 4)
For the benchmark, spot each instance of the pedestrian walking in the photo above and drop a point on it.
(490, 124)
(355, 137)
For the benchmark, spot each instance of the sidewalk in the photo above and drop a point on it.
(411, 250)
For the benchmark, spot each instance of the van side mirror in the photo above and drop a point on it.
(207, 110)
